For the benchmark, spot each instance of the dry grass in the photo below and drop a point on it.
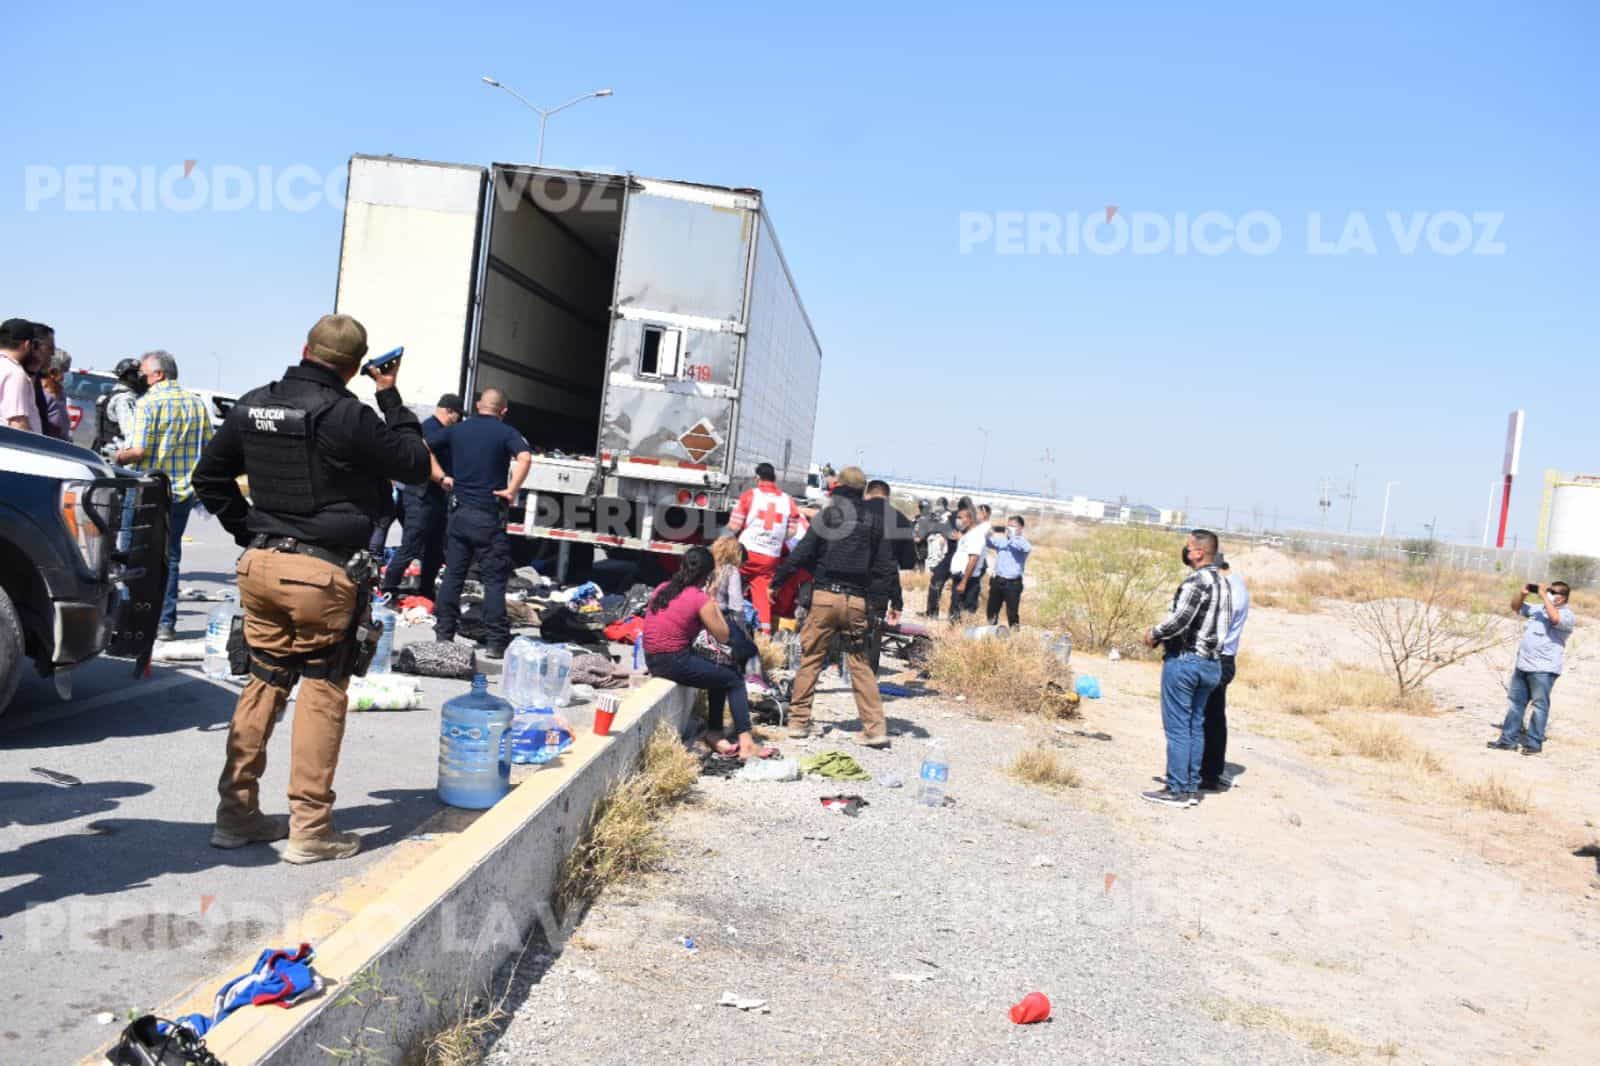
(1293, 600)
(770, 652)
(1383, 742)
(1492, 793)
(1257, 1016)
(1015, 675)
(1277, 685)
(1043, 767)
(914, 581)
(623, 837)
(462, 1041)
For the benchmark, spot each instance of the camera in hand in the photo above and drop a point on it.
(1533, 588)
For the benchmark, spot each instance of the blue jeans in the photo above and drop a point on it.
(719, 682)
(179, 522)
(1528, 685)
(1186, 684)
(476, 531)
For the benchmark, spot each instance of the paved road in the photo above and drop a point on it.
(110, 897)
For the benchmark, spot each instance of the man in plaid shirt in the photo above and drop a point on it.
(1192, 635)
(171, 426)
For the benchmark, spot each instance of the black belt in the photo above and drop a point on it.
(300, 547)
(835, 587)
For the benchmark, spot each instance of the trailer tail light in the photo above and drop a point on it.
(702, 500)
(683, 496)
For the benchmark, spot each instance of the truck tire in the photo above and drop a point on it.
(12, 662)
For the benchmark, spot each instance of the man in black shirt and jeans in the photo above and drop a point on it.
(478, 453)
(839, 549)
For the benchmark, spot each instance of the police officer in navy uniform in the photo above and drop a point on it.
(425, 514)
(319, 463)
(478, 453)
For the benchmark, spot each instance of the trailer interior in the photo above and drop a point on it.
(548, 279)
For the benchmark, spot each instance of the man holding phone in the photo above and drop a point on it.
(1540, 658)
(319, 464)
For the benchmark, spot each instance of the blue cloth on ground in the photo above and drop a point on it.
(280, 975)
(1088, 687)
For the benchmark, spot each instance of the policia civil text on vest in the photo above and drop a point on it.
(318, 464)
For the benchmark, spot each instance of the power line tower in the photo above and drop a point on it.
(1350, 494)
(1325, 499)
(1049, 461)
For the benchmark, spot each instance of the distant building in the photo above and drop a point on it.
(1084, 507)
(1142, 512)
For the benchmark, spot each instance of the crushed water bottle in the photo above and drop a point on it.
(218, 626)
(384, 618)
(537, 736)
(934, 776)
(474, 748)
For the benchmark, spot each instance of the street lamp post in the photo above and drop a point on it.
(983, 456)
(1383, 527)
(544, 112)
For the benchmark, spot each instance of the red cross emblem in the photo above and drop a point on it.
(770, 516)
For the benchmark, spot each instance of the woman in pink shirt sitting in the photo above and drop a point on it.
(675, 613)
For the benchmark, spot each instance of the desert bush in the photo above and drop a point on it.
(1108, 586)
(1293, 600)
(1579, 571)
(1044, 767)
(1495, 795)
(914, 581)
(1015, 675)
(1383, 742)
(1424, 622)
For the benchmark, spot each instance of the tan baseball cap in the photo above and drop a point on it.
(338, 340)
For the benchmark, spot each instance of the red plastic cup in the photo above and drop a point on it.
(602, 722)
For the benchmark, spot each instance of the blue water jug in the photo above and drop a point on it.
(474, 748)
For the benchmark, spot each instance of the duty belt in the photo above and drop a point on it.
(838, 589)
(300, 547)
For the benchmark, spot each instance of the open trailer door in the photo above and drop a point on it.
(408, 266)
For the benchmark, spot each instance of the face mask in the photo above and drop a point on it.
(1013, 531)
(1183, 556)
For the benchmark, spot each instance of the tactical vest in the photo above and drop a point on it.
(106, 428)
(291, 476)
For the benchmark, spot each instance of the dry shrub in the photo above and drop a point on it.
(1005, 675)
(1106, 587)
(463, 1040)
(623, 837)
(1297, 690)
(1383, 742)
(1495, 795)
(771, 654)
(1354, 582)
(1044, 767)
(1425, 620)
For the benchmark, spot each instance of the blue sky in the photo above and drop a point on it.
(1227, 380)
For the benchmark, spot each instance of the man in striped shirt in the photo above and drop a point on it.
(170, 428)
(1192, 635)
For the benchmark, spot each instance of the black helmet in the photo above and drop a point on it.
(127, 372)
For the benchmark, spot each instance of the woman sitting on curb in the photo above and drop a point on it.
(674, 615)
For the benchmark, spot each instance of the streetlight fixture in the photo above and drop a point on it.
(1383, 527)
(544, 112)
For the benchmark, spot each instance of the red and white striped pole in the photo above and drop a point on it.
(1513, 458)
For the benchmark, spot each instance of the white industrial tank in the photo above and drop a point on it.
(1574, 519)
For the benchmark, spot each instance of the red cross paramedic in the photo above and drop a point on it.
(764, 519)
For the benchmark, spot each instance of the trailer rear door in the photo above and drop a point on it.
(408, 265)
(672, 379)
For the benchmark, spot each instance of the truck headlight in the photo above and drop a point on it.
(81, 523)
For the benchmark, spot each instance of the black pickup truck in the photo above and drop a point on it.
(83, 562)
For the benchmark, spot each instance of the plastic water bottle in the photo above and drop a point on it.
(638, 651)
(474, 748)
(519, 678)
(537, 737)
(556, 675)
(935, 775)
(218, 625)
(384, 618)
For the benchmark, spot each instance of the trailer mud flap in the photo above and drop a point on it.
(144, 572)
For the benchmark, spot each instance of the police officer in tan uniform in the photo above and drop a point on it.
(319, 464)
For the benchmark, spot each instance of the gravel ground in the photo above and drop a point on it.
(899, 935)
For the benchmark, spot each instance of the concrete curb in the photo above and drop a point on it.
(442, 929)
